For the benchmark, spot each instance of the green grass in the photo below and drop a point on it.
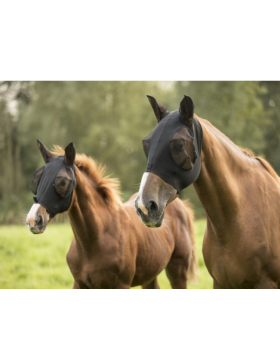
(39, 261)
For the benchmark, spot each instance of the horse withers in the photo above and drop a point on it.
(239, 192)
(111, 247)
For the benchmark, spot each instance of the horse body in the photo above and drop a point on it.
(239, 192)
(111, 247)
(105, 253)
(241, 201)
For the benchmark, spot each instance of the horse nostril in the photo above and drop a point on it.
(152, 207)
(39, 221)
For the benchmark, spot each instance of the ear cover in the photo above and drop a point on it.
(70, 154)
(46, 154)
(187, 110)
(159, 110)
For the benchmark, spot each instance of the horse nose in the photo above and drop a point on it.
(39, 220)
(152, 207)
(36, 225)
(139, 211)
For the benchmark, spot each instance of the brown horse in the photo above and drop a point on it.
(240, 194)
(111, 247)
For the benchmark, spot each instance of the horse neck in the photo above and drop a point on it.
(223, 164)
(89, 214)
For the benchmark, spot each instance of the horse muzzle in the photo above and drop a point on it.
(150, 213)
(37, 219)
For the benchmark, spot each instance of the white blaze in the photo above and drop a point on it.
(142, 185)
(32, 214)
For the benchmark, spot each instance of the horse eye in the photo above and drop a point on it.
(178, 147)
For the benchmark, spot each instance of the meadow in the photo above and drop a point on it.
(39, 261)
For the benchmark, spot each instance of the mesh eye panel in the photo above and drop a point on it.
(65, 182)
(33, 184)
(182, 149)
(146, 143)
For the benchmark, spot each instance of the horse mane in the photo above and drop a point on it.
(107, 187)
(248, 152)
(264, 163)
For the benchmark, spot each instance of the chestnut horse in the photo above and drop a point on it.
(240, 194)
(111, 247)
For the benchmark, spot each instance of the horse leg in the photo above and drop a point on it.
(75, 286)
(152, 285)
(216, 285)
(266, 283)
(176, 272)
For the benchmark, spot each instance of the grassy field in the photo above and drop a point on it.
(39, 261)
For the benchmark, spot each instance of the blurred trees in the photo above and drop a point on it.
(271, 102)
(235, 108)
(103, 119)
(14, 97)
(108, 121)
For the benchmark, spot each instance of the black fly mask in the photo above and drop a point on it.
(53, 185)
(173, 148)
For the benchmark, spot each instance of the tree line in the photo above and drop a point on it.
(108, 121)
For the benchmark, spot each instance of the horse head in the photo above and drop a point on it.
(53, 186)
(173, 151)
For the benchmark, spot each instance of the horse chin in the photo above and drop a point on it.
(159, 223)
(38, 230)
(153, 222)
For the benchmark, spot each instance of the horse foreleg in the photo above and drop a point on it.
(176, 272)
(76, 286)
(216, 285)
(266, 283)
(152, 285)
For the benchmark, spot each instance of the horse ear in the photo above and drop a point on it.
(187, 109)
(70, 154)
(46, 154)
(159, 110)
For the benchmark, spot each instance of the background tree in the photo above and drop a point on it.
(271, 103)
(108, 121)
(14, 97)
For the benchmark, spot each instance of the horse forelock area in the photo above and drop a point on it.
(245, 151)
(108, 188)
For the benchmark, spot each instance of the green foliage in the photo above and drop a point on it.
(234, 107)
(39, 261)
(108, 121)
(103, 119)
(14, 97)
(271, 102)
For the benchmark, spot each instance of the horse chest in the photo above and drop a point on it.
(93, 271)
(236, 267)
(95, 279)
